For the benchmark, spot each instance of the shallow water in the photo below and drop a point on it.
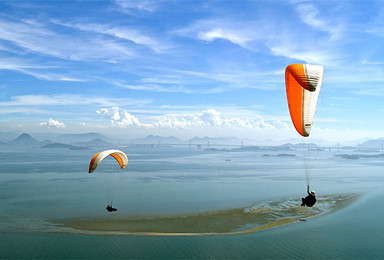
(231, 221)
(351, 233)
(39, 185)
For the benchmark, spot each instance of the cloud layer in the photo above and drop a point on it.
(206, 118)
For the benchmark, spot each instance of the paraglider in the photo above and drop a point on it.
(109, 208)
(310, 199)
(120, 157)
(303, 83)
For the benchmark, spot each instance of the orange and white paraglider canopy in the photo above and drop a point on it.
(303, 83)
(120, 157)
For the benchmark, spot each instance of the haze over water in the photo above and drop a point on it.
(42, 185)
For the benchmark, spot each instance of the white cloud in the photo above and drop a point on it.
(281, 125)
(207, 118)
(237, 32)
(233, 35)
(122, 119)
(53, 123)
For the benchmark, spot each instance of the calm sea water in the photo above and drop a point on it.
(39, 185)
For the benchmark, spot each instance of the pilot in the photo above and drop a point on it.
(110, 208)
(310, 200)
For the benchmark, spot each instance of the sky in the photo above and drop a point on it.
(188, 68)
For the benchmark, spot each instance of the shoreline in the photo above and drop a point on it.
(262, 216)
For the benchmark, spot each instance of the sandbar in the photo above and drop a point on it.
(261, 216)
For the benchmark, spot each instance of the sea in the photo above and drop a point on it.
(39, 188)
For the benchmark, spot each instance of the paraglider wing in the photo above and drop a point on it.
(120, 157)
(303, 83)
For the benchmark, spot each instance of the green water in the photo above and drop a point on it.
(37, 186)
(353, 233)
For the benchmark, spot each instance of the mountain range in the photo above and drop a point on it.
(27, 141)
(98, 140)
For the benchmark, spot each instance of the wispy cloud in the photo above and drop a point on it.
(238, 32)
(40, 38)
(310, 14)
(257, 36)
(125, 33)
(374, 91)
(171, 88)
(140, 5)
(40, 72)
(237, 37)
(202, 82)
(70, 99)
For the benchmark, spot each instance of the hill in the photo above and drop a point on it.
(93, 143)
(24, 140)
(373, 144)
(216, 140)
(154, 139)
(74, 138)
(63, 146)
(57, 145)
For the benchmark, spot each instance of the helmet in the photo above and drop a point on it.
(313, 193)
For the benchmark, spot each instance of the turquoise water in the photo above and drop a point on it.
(39, 185)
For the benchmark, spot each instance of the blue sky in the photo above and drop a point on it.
(187, 67)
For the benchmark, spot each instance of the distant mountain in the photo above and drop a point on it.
(93, 143)
(62, 146)
(218, 140)
(300, 145)
(248, 149)
(57, 145)
(354, 142)
(45, 142)
(373, 144)
(8, 136)
(74, 138)
(154, 139)
(24, 140)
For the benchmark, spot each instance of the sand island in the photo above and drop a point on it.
(261, 216)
